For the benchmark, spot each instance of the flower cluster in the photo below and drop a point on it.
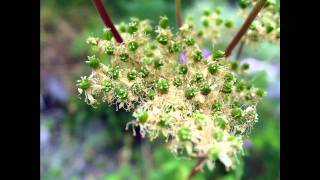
(266, 27)
(201, 106)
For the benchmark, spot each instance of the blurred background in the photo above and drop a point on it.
(80, 142)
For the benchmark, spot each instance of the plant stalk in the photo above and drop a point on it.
(178, 13)
(253, 14)
(107, 20)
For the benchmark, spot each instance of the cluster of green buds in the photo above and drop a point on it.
(201, 106)
(266, 26)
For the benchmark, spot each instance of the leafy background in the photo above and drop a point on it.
(79, 142)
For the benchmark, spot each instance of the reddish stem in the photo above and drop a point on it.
(195, 167)
(178, 13)
(106, 19)
(256, 9)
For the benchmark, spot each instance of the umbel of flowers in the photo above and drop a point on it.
(201, 106)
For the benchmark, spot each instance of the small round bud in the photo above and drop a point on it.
(93, 62)
(206, 12)
(84, 83)
(245, 66)
(249, 85)
(175, 47)
(205, 89)
(164, 22)
(228, 23)
(234, 65)
(198, 77)
(151, 93)
(217, 10)
(184, 134)
(190, 41)
(133, 45)
(214, 153)
(221, 122)
(189, 92)
(124, 57)
(121, 93)
(162, 85)
(109, 49)
(244, 3)
(216, 106)
(219, 21)
(236, 112)
(158, 63)
(162, 39)
(240, 85)
(248, 96)
(132, 27)
(131, 75)
(218, 135)
(217, 54)
(183, 69)
(144, 72)
(213, 68)
(260, 92)
(269, 28)
(136, 88)
(106, 85)
(197, 56)
(227, 87)
(107, 34)
(147, 29)
(115, 72)
(228, 77)
(177, 81)
(142, 116)
(200, 33)
(164, 120)
(122, 27)
(253, 26)
(205, 22)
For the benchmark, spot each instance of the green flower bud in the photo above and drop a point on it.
(197, 56)
(147, 29)
(183, 69)
(164, 120)
(198, 77)
(227, 87)
(177, 81)
(184, 134)
(214, 153)
(189, 41)
(228, 77)
(164, 22)
(248, 96)
(219, 21)
(136, 88)
(217, 54)
(206, 12)
(124, 57)
(213, 68)
(162, 39)
(205, 89)
(131, 75)
(217, 10)
(205, 22)
(107, 34)
(200, 33)
(236, 104)
(93, 62)
(132, 27)
(142, 116)
(121, 93)
(249, 85)
(144, 72)
(199, 117)
(253, 26)
(236, 112)
(158, 63)
(228, 23)
(269, 28)
(221, 122)
(175, 47)
(260, 92)
(218, 135)
(245, 66)
(151, 93)
(162, 85)
(106, 85)
(216, 106)
(240, 86)
(109, 49)
(122, 27)
(84, 83)
(234, 65)
(115, 72)
(133, 45)
(189, 92)
(244, 3)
